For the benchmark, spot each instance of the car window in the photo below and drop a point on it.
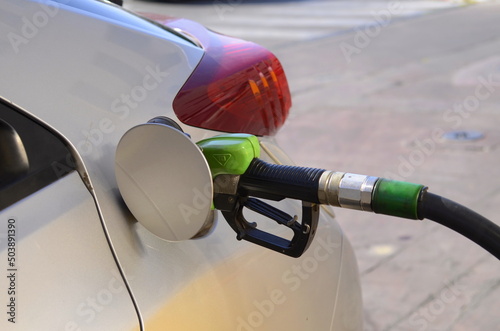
(31, 156)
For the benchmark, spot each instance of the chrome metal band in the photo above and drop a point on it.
(355, 191)
(328, 190)
(366, 193)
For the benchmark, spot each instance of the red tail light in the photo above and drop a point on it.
(238, 86)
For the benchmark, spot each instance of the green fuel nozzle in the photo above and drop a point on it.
(240, 178)
(230, 154)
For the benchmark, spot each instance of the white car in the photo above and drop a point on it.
(77, 75)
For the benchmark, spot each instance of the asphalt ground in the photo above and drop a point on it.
(385, 110)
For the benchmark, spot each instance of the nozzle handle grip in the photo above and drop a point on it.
(276, 182)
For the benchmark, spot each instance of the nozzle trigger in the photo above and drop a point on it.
(303, 232)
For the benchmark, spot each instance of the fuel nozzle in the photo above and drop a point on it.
(239, 187)
(241, 178)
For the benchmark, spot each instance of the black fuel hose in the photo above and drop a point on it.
(462, 220)
(389, 197)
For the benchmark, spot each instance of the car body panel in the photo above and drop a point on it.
(60, 245)
(92, 79)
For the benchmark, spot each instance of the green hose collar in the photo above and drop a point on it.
(395, 198)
